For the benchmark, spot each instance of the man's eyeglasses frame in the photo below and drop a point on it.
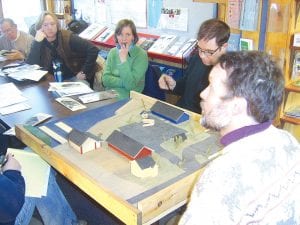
(207, 52)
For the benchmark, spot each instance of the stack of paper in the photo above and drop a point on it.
(92, 31)
(177, 46)
(105, 35)
(32, 121)
(187, 48)
(98, 96)
(70, 103)
(12, 99)
(69, 88)
(163, 43)
(23, 71)
(146, 43)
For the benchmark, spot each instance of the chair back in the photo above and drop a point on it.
(152, 88)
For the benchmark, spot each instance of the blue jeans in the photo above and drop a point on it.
(53, 208)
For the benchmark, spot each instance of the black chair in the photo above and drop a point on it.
(152, 88)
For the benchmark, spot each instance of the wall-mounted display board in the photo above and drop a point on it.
(150, 16)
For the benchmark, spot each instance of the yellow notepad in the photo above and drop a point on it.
(34, 170)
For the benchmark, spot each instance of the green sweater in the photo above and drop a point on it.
(127, 76)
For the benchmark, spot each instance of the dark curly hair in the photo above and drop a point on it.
(256, 77)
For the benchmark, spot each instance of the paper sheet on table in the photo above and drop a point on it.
(34, 75)
(14, 108)
(8, 89)
(34, 170)
(69, 88)
(10, 94)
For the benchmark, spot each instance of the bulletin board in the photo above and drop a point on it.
(147, 14)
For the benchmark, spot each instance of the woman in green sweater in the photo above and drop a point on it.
(127, 63)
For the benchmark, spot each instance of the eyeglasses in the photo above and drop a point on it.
(9, 30)
(207, 52)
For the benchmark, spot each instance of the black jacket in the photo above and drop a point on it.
(12, 196)
(194, 81)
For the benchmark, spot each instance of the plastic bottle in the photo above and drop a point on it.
(58, 76)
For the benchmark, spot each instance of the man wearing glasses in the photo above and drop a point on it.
(212, 39)
(17, 43)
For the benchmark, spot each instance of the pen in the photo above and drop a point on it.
(168, 86)
(3, 160)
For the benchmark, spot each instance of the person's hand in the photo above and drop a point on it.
(81, 76)
(123, 52)
(14, 55)
(40, 35)
(11, 164)
(166, 82)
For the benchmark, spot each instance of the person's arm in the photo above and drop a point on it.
(77, 44)
(15, 55)
(132, 73)
(108, 78)
(166, 82)
(34, 56)
(181, 82)
(12, 190)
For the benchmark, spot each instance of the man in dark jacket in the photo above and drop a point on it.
(212, 39)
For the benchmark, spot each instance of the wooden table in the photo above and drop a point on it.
(105, 176)
(41, 101)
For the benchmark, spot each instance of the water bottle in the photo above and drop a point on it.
(58, 76)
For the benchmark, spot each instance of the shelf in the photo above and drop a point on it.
(292, 88)
(110, 43)
(288, 119)
(60, 16)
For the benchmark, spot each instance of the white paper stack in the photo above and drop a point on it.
(70, 103)
(187, 48)
(92, 31)
(23, 71)
(176, 46)
(12, 99)
(105, 35)
(69, 88)
(163, 43)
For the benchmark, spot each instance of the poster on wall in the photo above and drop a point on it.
(154, 8)
(91, 11)
(173, 19)
(136, 10)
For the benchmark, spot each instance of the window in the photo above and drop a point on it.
(24, 13)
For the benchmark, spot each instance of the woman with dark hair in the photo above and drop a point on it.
(52, 45)
(127, 63)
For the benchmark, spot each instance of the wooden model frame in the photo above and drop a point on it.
(146, 211)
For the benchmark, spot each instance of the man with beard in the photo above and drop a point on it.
(256, 179)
